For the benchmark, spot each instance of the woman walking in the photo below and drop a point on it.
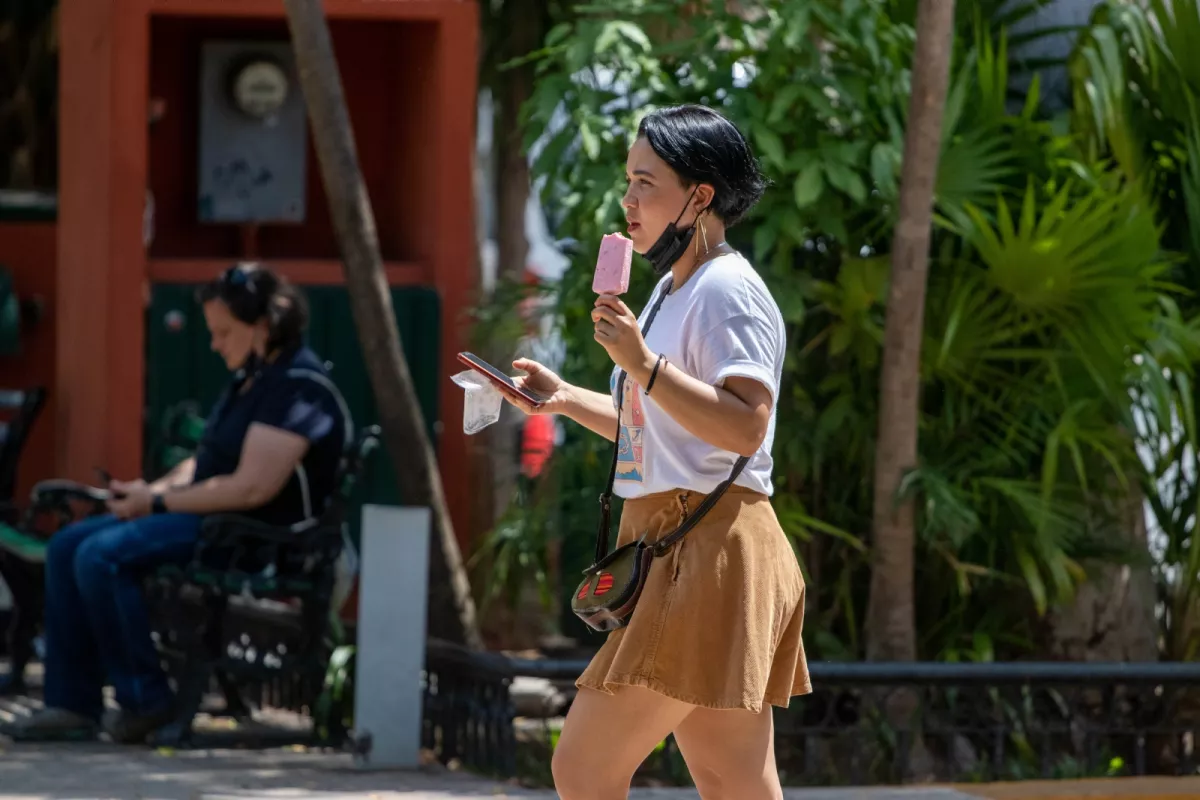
(715, 639)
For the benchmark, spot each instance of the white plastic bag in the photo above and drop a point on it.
(482, 406)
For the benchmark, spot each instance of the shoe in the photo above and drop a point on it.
(52, 725)
(124, 727)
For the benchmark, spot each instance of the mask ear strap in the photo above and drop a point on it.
(686, 204)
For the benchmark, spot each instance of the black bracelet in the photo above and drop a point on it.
(654, 373)
(158, 505)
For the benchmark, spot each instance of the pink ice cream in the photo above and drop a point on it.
(612, 265)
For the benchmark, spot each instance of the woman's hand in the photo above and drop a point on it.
(616, 329)
(543, 381)
(134, 500)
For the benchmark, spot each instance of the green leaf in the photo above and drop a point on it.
(883, 168)
(844, 179)
(591, 142)
(1033, 580)
(764, 239)
(559, 33)
(809, 185)
(781, 106)
(771, 146)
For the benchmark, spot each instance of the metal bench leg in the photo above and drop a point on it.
(235, 705)
(192, 686)
(24, 580)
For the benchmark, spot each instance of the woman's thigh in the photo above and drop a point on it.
(730, 754)
(142, 543)
(606, 737)
(60, 552)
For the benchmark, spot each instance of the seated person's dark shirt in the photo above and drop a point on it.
(293, 393)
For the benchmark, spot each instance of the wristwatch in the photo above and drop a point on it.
(158, 505)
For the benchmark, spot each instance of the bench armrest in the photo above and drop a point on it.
(49, 491)
(57, 495)
(238, 543)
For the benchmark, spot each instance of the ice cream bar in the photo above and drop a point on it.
(612, 265)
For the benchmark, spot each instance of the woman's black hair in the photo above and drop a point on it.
(704, 147)
(252, 293)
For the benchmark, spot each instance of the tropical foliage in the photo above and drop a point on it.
(1060, 288)
(1137, 105)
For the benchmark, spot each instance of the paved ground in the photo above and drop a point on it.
(67, 772)
(106, 771)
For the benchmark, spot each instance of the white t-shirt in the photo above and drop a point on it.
(721, 323)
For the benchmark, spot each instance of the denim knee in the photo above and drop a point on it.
(64, 546)
(60, 556)
(91, 564)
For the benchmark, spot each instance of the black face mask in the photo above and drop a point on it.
(672, 243)
(252, 365)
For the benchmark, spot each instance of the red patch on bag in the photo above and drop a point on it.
(583, 591)
(604, 583)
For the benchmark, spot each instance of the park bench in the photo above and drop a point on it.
(251, 614)
(254, 609)
(21, 409)
(223, 629)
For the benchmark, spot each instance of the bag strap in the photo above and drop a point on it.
(664, 544)
(690, 521)
(606, 498)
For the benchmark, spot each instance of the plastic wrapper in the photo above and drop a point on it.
(482, 406)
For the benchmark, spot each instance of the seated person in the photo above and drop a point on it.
(270, 450)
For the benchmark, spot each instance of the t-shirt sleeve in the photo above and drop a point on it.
(300, 407)
(743, 346)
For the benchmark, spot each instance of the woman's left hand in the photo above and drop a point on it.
(616, 328)
(136, 499)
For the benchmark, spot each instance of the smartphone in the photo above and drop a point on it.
(105, 479)
(502, 382)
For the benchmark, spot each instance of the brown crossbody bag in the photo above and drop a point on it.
(611, 586)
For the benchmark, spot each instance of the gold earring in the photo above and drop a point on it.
(704, 235)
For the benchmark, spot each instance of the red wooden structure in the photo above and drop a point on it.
(409, 70)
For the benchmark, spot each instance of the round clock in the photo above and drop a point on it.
(260, 88)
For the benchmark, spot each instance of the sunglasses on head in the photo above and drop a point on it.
(238, 277)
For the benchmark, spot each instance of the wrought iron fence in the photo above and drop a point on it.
(966, 722)
(468, 713)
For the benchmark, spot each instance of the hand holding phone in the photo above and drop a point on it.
(503, 382)
(106, 480)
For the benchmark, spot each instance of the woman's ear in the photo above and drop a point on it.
(702, 201)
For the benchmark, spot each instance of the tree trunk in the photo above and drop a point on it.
(518, 30)
(523, 23)
(515, 30)
(1111, 617)
(891, 622)
(451, 607)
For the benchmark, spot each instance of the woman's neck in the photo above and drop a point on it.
(683, 269)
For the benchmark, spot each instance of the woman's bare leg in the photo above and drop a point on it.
(730, 754)
(606, 737)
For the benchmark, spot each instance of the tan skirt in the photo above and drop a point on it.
(718, 623)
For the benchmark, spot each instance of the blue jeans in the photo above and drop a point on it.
(97, 622)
